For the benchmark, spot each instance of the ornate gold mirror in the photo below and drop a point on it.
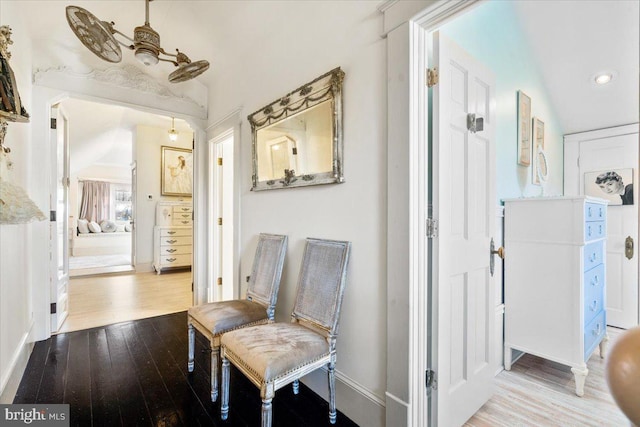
(297, 139)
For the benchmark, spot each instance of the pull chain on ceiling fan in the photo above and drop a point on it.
(99, 37)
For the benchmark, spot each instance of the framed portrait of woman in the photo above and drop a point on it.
(176, 172)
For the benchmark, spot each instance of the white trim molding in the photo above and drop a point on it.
(407, 25)
(10, 379)
(130, 84)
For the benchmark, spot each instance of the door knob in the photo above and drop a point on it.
(493, 251)
(628, 247)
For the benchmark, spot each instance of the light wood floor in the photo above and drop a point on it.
(537, 392)
(107, 299)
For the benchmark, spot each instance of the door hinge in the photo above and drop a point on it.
(219, 221)
(219, 161)
(432, 76)
(52, 216)
(54, 308)
(54, 123)
(578, 161)
(432, 228)
(191, 286)
(430, 381)
(219, 281)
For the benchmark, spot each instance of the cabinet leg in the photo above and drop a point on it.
(507, 358)
(580, 375)
(603, 346)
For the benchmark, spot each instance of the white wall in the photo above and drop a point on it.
(147, 148)
(345, 34)
(16, 241)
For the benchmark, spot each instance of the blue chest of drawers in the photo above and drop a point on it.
(555, 280)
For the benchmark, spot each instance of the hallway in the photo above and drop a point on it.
(135, 373)
(107, 299)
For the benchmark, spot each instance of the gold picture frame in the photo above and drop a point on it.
(524, 129)
(176, 172)
(538, 145)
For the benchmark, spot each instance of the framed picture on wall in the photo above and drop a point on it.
(614, 185)
(176, 171)
(538, 146)
(524, 129)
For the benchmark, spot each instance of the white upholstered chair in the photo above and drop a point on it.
(216, 318)
(276, 354)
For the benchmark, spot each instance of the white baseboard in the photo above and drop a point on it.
(10, 379)
(144, 267)
(354, 400)
(397, 411)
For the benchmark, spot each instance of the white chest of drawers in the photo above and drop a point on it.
(554, 291)
(173, 236)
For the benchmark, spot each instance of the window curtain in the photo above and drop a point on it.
(96, 198)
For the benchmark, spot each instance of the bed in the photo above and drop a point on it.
(88, 244)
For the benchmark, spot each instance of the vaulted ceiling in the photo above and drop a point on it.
(571, 41)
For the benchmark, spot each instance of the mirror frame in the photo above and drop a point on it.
(327, 87)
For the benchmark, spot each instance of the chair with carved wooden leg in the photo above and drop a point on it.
(217, 318)
(276, 354)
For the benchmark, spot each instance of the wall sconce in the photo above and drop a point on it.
(173, 133)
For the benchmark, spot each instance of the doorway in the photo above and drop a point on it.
(112, 263)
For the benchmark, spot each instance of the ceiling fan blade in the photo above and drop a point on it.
(187, 71)
(94, 34)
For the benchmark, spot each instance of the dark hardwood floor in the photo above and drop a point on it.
(135, 374)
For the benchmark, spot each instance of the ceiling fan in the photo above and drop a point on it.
(99, 37)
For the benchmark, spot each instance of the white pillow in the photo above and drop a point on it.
(94, 227)
(127, 227)
(108, 226)
(83, 226)
(120, 228)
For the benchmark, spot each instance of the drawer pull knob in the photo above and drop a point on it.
(600, 229)
(596, 331)
(171, 242)
(171, 232)
(594, 281)
(589, 211)
(593, 257)
(171, 250)
(593, 305)
(170, 259)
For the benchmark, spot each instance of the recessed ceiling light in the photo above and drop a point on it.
(604, 78)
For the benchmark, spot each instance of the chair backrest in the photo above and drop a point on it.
(323, 276)
(267, 271)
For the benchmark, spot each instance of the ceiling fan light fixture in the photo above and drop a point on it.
(99, 37)
(146, 56)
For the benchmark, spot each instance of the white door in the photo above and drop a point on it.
(222, 207)
(464, 199)
(598, 152)
(134, 186)
(60, 227)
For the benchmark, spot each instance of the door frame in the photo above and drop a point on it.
(61, 311)
(54, 85)
(407, 26)
(228, 127)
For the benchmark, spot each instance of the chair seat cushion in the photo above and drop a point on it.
(223, 316)
(271, 351)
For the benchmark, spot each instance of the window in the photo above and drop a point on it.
(121, 197)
